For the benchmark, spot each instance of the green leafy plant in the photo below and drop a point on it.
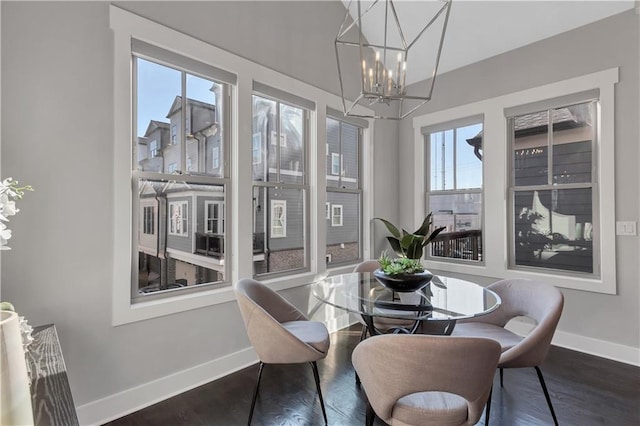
(409, 246)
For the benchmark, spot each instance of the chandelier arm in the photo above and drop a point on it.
(446, 7)
(355, 21)
(395, 16)
(435, 69)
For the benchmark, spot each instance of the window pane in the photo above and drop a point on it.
(292, 135)
(203, 132)
(441, 169)
(178, 252)
(469, 157)
(343, 242)
(530, 142)
(278, 229)
(461, 214)
(572, 141)
(158, 90)
(554, 229)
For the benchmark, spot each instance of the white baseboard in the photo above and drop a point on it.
(120, 404)
(601, 348)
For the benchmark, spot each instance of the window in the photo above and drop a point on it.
(182, 255)
(335, 164)
(280, 182)
(257, 149)
(336, 215)
(178, 219)
(344, 192)
(214, 217)
(454, 187)
(327, 210)
(149, 226)
(216, 158)
(153, 149)
(278, 218)
(553, 187)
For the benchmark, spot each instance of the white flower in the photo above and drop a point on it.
(9, 193)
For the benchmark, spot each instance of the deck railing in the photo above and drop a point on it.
(458, 245)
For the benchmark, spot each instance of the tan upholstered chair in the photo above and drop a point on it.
(381, 323)
(538, 301)
(279, 332)
(426, 380)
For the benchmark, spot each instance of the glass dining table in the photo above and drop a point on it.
(434, 309)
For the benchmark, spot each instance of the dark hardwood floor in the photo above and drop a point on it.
(585, 390)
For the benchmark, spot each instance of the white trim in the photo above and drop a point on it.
(283, 219)
(584, 344)
(334, 156)
(496, 170)
(184, 216)
(335, 222)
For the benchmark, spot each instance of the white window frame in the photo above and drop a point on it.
(495, 168)
(336, 218)
(125, 26)
(327, 210)
(283, 138)
(174, 134)
(256, 148)
(178, 223)
(172, 167)
(280, 230)
(208, 219)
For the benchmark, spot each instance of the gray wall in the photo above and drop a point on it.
(608, 43)
(57, 133)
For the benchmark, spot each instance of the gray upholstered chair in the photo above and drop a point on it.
(279, 332)
(420, 379)
(536, 300)
(383, 324)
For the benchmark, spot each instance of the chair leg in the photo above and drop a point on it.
(317, 377)
(501, 371)
(255, 392)
(546, 395)
(363, 335)
(370, 416)
(488, 410)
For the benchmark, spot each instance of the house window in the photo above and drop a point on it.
(149, 221)
(153, 149)
(214, 217)
(216, 158)
(180, 252)
(454, 187)
(344, 191)
(553, 187)
(278, 218)
(257, 148)
(336, 215)
(178, 219)
(279, 181)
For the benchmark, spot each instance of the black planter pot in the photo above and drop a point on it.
(404, 282)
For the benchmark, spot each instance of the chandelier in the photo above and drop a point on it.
(372, 47)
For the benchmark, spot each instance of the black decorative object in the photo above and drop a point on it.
(404, 282)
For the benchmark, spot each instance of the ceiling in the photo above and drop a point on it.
(479, 29)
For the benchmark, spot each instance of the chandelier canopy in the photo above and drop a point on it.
(372, 47)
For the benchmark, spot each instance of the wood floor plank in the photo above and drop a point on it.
(585, 391)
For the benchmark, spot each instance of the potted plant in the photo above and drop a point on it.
(405, 272)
